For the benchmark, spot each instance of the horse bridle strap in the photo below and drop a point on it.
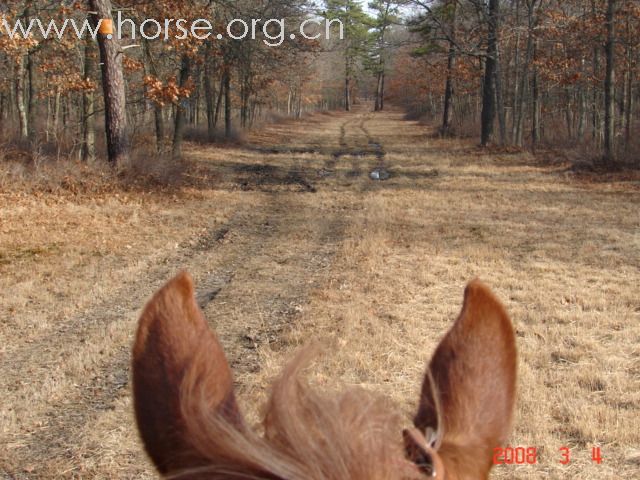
(422, 453)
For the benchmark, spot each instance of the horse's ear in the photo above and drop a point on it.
(176, 355)
(468, 393)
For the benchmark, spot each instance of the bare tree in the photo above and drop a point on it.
(609, 85)
(447, 111)
(20, 99)
(180, 119)
(88, 105)
(491, 68)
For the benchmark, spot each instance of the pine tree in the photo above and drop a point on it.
(355, 25)
(386, 14)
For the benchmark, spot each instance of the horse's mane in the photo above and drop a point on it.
(308, 434)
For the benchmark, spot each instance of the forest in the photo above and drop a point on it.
(319, 239)
(514, 73)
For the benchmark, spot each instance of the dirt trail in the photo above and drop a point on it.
(252, 274)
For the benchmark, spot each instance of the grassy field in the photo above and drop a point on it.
(290, 241)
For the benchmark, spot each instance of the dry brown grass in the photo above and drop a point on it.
(373, 270)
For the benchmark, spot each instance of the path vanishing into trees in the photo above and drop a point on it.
(257, 268)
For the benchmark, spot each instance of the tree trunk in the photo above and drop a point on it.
(181, 109)
(629, 89)
(523, 100)
(379, 92)
(488, 90)
(195, 100)
(515, 115)
(32, 105)
(347, 83)
(582, 120)
(210, 99)
(158, 110)
(244, 99)
(502, 121)
(88, 106)
(56, 112)
(12, 94)
(113, 87)
(347, 94)
(518, 138)
(227, 104)
(3, 100)
(629, 109)
(595, 102)
(535, 124)
(447, 110)
(609, 86)
(30, 89)
(20, 100)
(568, 113)
(65, 111)
(219, 101)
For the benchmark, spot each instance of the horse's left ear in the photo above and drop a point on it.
(177, 356)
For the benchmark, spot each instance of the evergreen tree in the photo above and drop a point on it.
(354, 25)
(386, 14)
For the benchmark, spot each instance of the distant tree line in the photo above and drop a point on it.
(530, 72)
(513, 72)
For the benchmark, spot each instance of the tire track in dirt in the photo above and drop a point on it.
(19, 361)
(40, 362)
(360, 153)
(349, 145)
(343, 133)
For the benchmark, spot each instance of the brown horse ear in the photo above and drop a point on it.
(177, 355)
(468, 393)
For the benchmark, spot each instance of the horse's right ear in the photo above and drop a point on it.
(179, 372)
(468, 392)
